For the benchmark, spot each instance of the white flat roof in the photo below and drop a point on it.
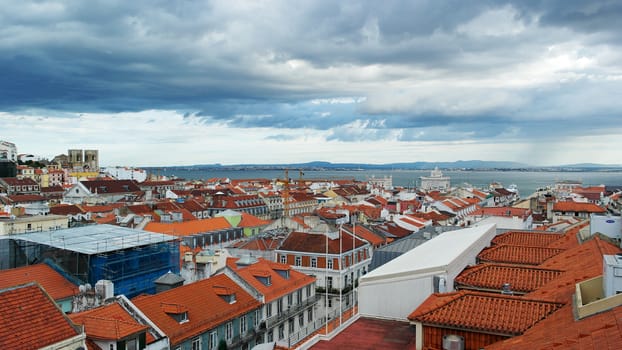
(94, 239)
(432, 255)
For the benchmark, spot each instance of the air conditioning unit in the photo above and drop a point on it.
(612, 274)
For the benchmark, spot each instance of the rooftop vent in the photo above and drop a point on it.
(507, 289)
(453, 342)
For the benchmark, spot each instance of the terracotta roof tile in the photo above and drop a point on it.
(486, 312)
(189, 227)
(580, 263)
(206, 309)
(249, 220)
(517, 254)
(560, 330)
(493, 276)
(316, 243)
(66, 209)
(29, 319)
(54, 283)
(570, 206)
(279, 286)
(362, 232)
(110, 322)
(527, 239)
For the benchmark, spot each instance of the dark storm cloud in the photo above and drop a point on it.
(428, 69)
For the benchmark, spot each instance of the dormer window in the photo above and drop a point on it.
(176, 311)
(227, 294)
(263, 276)
(283, 273)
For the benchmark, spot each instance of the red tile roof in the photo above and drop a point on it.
(206, 309)
(66, 209)
(493, 276)
(571, 206)
(54, 283)
(560, 330)
(484, 312)
(26, 198)
(110, 322)
(362, 232)
(579, 263)
(189, 227)
(517, 254)
(527, 239)
(501, 211)
(316, 243)
(249, 220)
(262, 244)
(111, 186)
(279, 286)
(29, 319)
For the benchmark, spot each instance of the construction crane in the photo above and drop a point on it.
(286, 198)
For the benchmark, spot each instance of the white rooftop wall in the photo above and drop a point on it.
(397, 288)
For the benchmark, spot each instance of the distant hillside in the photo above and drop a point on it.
(462, 164)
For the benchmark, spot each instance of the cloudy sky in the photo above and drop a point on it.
(200, 82)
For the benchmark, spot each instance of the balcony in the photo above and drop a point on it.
(290, 311)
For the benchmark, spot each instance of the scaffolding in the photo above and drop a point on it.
(131, 259)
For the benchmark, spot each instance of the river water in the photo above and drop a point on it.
(526, 181)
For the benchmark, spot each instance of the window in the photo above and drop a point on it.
(298, 261)
(313, 262)
(213, 340)
(308, 291)
(329, 283)
(178, 347)
(290, 297)
(291, 326)
(243, 325)
(281, 331)
(330, 302)
(299, 296)
(229, 330)
(301, 320)
(310, 315)
(131, 344)
(279, 306)
(271, 335)
(283, 259)
(196, 344)
(329, 263)
(111, 346)
(268, 309)
(257, 317)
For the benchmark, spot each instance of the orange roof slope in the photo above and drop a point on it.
(571, 206)
(527, 239)
(560, 331)
(249, 220)
(485, 312)
(187, 228)
(279, 286)
(516, 254)
(54, 283)
(580, 263)
(29, 319)
(493, 276)
(110, 322)
(205, 307)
